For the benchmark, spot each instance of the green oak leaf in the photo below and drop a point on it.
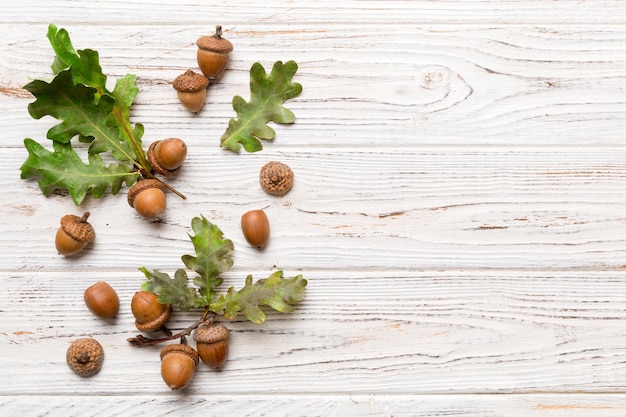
(78, 98)
(170, 290)
(275, 291)
(64, 169)
(213, 257)
(74, 104)
(267, 95)
(85, 64)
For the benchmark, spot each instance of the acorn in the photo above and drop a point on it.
(255, 227)
(102, 300)
(212, 344)
(167, 155)
(178, 365)
(191, 89)
(74, 234)
(276, 178)
(150, 315)
(85, 356)
(147, 197)
(213, 54)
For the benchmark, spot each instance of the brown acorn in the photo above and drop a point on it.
(85, 356)
(191, 89)
(178, 365)
(147, 197)
(255, 227)
(102, 300)
(150, 315)
(167, 155)
(74, 234)
(213, 54)
(212, 344)
(276, 178)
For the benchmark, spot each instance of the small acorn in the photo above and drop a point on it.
(191, 89)
(255, 227)
(147, 197)
(150, 315)
(178, 365)
(102, 300)
(276, 178)
(167, 155)
(213, 54)
(74, 234)
(212, 344)
(85, 356)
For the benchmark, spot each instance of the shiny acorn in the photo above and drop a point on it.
(178, 365)
(213, 54)
(102, 300)
(150, 315)
(74, 234)
(166, 156)
(255, 227)
(148, 198)
(212, 344)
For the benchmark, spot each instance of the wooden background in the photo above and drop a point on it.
(458, 211)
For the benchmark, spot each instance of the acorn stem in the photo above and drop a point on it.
(218, 31)
(142, 341)
(174, 190)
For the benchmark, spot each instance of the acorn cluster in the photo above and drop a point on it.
(213, 55)
(147, 196)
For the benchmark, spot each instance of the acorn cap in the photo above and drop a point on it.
(210, 333)
(78, 228)
(215, 42)
(157, 323)
(276, 178)
(142, 185)
(85, 356)
(190, 82)
(180, 348)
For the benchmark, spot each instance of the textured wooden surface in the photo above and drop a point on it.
(458, 210)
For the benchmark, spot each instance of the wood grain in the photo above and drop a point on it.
(485, 208)
(405, 333)
(457, 211)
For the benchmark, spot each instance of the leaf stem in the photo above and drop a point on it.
(142, 341)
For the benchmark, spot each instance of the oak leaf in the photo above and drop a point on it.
(267, 96)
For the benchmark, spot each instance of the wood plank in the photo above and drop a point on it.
(458, 210)
(417, 332)
(480, 208)
(536, 405)
(352, 12)
(383, 86)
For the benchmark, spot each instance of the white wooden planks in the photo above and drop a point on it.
(457, 210)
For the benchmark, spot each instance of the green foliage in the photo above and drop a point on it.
(213, 257)
(267, 95)
(275, 291)
(77, 96)
(63, 169)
